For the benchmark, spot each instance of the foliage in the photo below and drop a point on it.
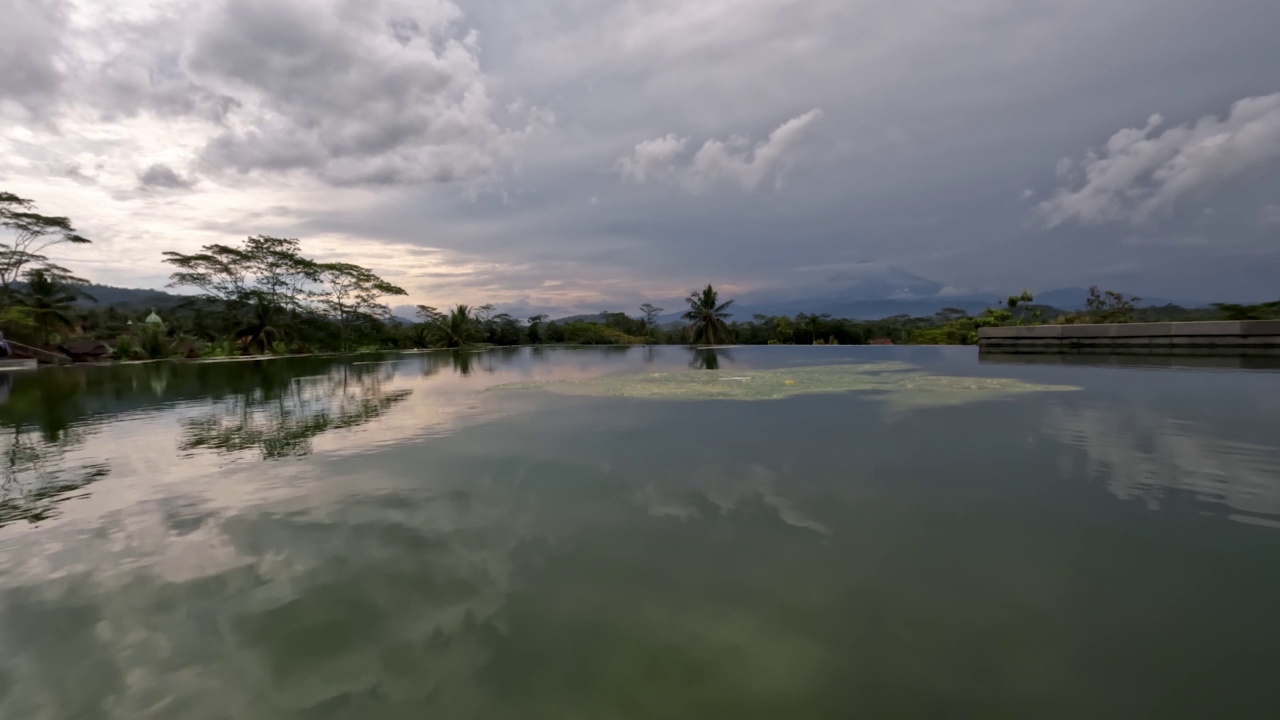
(218, 349)
(707, 317)
(124, 349)
(456, 329)
(17, 317)
(152, 344)
(581, 332)
(48, 296)
(534, 331)
(1261, 311)
(650, 313)
(31, 234)
(269, 293)
(349, 292)
(259, 333)
(218, 271)
(1109, 306)
(502, 329)
(1021, 303)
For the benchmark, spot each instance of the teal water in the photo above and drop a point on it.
(404, 536)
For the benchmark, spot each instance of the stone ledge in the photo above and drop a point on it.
(1168, 331)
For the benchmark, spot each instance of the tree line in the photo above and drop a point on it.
(264, 296)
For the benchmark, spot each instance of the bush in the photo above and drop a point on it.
(218, 349)
(124, 348)
(152, 344)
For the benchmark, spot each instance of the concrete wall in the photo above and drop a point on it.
(1246, 336)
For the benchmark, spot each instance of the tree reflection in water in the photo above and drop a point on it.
(35, 479)
(709, 358)
(274, 406)
(281, 419)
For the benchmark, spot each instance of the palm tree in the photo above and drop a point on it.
(456, 329)
(707, 317)
(48, 296)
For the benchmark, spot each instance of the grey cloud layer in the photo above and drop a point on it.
(163, 176)
(554, 151)
(30, 46)
(387, 92)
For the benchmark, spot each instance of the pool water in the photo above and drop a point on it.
(765, 532)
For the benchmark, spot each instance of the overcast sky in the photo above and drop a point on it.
(583, 154)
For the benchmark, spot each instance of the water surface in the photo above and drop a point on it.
(451, 535)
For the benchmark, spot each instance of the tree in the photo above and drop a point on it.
(457, 328)
(48, 297)
(813, 325)
(783, 330)
(279, 272)
(503, 330)
(349, 291)
(651, 314)
(1020, 303)
(706, 317)
(259, 333)
(1261, 311)
(1109, 307)
(427, 314)
(535, 328)
(267, 269)
(219, 271)
(32, 233)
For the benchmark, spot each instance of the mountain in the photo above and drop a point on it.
(861, 309)
(866, 292)
(130, 297)
(863, 282)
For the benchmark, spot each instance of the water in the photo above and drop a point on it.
(398, 537)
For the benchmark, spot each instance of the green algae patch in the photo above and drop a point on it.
(900, 385)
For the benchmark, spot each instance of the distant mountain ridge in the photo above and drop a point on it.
(109, 295)
(872, 292)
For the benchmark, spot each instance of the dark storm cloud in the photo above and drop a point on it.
(355, 96)
(163, 176)
(747, 142)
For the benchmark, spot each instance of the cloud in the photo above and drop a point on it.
(481, 129)
(389, 92)
(393, 93)
(163, 176)
(1140, 174)
(1271, 215)
(31, 44)
(1146, 455)
(653, 158)
(734, 161)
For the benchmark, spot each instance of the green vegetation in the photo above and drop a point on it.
(30, 234)
(454, 330)
(707, 317)
(264, 296)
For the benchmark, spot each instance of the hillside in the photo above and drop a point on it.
(130, 297)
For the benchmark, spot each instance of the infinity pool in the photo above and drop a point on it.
(769, 532)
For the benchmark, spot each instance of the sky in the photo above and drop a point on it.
(590, 154)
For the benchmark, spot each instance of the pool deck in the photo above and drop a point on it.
(8, 364)
(1234, 337)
